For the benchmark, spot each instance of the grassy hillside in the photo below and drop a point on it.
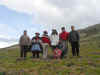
(87, 64)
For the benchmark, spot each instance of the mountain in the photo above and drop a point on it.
(87, 64)
(92, 30)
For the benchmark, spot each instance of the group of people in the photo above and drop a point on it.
(57, 42)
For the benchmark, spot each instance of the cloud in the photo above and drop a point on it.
(4, 38)
(6, 44)
(6, 41)
(49, 12)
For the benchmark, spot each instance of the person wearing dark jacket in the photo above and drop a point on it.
(74, 39)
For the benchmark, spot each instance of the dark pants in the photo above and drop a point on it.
(23, 51)
(75, 48)
(36, 53)
(54, 47)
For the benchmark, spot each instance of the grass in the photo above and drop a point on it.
(87, 64)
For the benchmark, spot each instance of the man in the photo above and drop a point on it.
(24, 44)
(64, 41)
(74, 39)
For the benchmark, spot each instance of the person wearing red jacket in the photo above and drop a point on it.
(64, 41)
(45, 43)
(57, 53)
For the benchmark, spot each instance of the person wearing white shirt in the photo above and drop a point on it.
(54, 38)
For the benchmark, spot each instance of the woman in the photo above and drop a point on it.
(36, 45)
(45, 43)
(54, 38)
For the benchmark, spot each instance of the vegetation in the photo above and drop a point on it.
(87, 64)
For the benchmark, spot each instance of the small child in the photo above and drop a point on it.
(57, 53)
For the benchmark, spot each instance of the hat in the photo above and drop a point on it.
(25, 30)
(37, 33)
(45, 32)
(53, 29)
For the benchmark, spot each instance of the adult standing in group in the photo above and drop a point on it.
(45, 44)
(24, 43)
(64, 41)
(36, 45)
(54, 38)
(74, 39)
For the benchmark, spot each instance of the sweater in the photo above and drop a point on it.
(64, 35)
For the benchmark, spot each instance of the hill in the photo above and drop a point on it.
(87, 64)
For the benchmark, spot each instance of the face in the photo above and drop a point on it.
(37, 35)
(63, 30)
(25, 32)
(73, 28)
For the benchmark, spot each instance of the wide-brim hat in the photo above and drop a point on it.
(45, 32)
(37, 33)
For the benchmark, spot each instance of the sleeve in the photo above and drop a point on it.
(58, 38)
(51, 38)
(78, 36)
(40, 40)
(20, 40)
(69, 37)
(29, 40)
(33, 40)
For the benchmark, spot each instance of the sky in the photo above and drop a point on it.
(39, 15)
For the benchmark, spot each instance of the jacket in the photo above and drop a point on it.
(54, 40)
(45, 39)
(74, 36)
(24, 40)
(64, 35)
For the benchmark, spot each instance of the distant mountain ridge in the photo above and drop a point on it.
(91, 30)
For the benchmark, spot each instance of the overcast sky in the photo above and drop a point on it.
(39, 15)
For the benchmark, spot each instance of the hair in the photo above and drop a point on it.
(54, 31)
(25, 30)
(72, 26)
(63, 28)
(45, 32)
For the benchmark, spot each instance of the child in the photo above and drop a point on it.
(57, 53)
(36, 45)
